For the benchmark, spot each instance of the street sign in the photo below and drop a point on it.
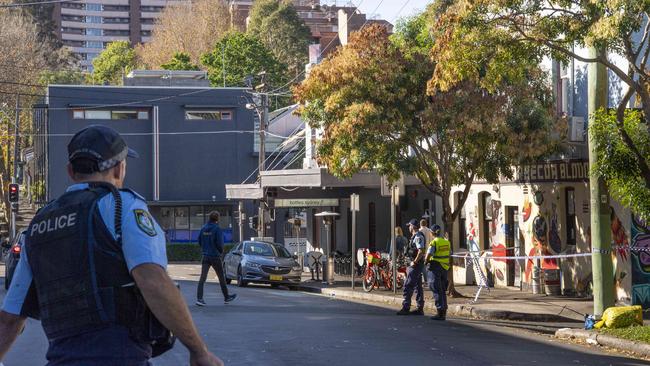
(354, 202)
(385, 186)
(307, 202)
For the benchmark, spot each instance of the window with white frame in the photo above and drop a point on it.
(212, 115)
(110, 114)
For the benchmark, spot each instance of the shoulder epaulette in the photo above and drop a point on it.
(136, 194)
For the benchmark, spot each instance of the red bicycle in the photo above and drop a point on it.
(378, 271)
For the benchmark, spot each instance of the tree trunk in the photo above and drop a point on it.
(449, 229)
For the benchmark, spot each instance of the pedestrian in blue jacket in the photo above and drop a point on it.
(211, 241)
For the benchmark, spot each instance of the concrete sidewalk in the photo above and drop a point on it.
(497, 304)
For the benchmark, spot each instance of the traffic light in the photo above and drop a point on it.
(13, 192)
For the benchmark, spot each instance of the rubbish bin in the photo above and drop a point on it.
(552, 282)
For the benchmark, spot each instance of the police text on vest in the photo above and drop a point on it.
(55, 223)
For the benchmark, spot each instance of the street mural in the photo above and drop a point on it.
(554, 241)
(620, 256)
(640, 262)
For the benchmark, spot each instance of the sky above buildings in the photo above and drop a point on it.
(390, 9)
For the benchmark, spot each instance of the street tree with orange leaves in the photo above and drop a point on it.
(378, 110)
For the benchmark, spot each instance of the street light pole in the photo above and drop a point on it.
(262, 158)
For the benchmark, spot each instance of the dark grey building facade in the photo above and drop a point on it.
(191, 140)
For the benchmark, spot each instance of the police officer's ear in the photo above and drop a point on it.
(70, 171)
(119, 171)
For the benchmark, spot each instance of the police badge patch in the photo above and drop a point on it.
(145, 222)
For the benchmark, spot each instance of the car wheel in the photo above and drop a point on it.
(240, 279)
(228, 281)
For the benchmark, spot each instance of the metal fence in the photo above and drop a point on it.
(343, 264)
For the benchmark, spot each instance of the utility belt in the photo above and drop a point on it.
(142, 324)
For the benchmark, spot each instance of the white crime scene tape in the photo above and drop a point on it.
(490, 254)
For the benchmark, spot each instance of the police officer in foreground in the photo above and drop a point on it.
(93, 269)
(415, 253)
(438, 256)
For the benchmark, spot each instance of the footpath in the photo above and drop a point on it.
(495, 304)
(561, 316)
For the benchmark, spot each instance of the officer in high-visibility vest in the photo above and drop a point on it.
(438, 256)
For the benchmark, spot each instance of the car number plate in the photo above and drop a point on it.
(276, 278)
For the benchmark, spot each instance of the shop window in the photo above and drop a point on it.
(197, 218)
(570, 213)
(181, 219)
(462, 221)
(486, 223)
(166, 218)
(214, 115)
(426, 205)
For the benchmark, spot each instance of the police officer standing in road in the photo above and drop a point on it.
(415, 253)
(438, 256)
(93, 269)
(211, 241)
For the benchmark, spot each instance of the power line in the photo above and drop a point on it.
(35, 3)
(105, 105)
(179, 133)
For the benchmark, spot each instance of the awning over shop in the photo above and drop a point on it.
(244, 191)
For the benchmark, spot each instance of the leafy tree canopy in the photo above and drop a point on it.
(617, 164)
(373, 101)
(115, 61)
(180, 61)
(62, 77)
(277, 24)
(239, 55)
(557, 28)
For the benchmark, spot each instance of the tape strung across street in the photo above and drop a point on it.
(553, 256)
(529, 257)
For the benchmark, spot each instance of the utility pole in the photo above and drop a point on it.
(262, 153)
(242, 218)
(602, 267)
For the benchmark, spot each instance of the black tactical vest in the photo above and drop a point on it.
(411, 249)
(80, 275)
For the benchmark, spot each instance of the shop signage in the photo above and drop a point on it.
(554, 171)
(307, 202)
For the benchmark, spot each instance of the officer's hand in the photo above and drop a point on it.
(205, 359)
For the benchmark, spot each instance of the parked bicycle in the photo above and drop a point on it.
(378, 271)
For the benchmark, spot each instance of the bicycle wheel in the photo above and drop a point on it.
(400, 280)
(369, 279)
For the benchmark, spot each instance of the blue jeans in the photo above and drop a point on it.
(413, 283)
(438, 283)
(109, 346)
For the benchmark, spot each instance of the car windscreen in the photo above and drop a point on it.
(281, 251)
(263, 249)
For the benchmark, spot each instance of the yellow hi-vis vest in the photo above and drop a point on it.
(442, 252)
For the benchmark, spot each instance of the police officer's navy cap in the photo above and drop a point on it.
(102, 144)
(414, 223)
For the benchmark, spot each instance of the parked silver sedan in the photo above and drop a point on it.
(260, 262)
